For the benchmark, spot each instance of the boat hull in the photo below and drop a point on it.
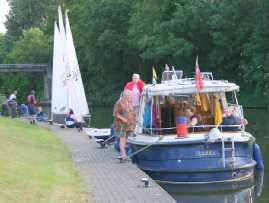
(195, 163)
(234, 175)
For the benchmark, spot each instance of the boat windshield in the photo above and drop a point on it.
(200, 112)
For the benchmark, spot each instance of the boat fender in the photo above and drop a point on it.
(258, 183)
(257, 155)
(214, 134)
(234, 174)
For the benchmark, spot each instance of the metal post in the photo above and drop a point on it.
(49, 78)
(151, 112)
(46, 86)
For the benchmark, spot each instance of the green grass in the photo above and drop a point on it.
(35, 166)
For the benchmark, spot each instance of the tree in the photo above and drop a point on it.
(2, 48)
(32, 47)
(26, 14)
(100, 32)
(170, 32)
(113, 39)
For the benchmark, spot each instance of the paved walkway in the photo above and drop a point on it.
(107, 180)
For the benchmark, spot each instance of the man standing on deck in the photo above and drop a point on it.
(136, 87)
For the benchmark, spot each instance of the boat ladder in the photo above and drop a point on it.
(231, 148)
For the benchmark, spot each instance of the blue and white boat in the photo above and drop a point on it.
(209, 152)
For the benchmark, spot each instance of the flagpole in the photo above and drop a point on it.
(198, 77)
(173, 69)
(151, 115)
(154, 76)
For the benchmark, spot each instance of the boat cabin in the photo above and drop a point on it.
(176, 102)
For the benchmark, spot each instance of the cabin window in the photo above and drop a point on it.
(232, 104)
(203, 112)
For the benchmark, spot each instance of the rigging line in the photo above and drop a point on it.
(146, 147)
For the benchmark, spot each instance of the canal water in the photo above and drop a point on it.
(255, 190)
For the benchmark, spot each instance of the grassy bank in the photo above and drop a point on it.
(35, 166)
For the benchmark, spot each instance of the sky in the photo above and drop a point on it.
(3, 12)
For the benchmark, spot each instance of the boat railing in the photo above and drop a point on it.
(182, 81)
(207, 75)
(224, 81)
(220, 127)
(191, 129)
(172, 75)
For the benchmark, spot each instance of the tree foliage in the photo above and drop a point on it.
(26, 14)
(32, 47)
(115, 38)
(103, 52)
(2, 48)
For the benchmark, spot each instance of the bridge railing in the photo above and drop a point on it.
(23, 68)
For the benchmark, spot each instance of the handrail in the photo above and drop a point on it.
(197, 126)
(11, 68)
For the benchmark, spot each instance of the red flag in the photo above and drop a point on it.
(198, 77)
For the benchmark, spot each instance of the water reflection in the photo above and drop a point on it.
(244, 192)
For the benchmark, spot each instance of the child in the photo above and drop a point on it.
(71, 121)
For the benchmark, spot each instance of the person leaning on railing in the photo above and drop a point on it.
(193, 120)
(229, 118)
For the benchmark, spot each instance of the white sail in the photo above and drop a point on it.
(61, 23)
(66, 68)
(58, 102)
(67, 87)
(78, 99)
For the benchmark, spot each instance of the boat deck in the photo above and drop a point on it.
(106, 179)
(190, 138)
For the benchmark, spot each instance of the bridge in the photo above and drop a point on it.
(46, 69)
